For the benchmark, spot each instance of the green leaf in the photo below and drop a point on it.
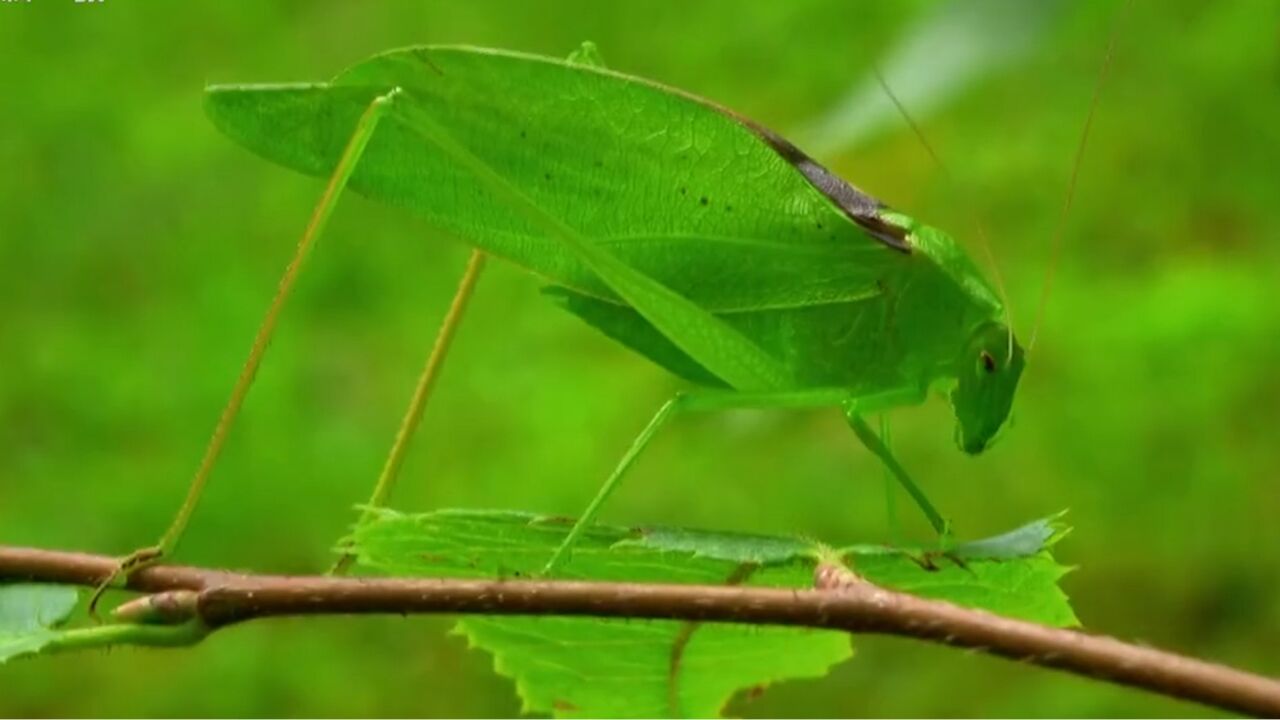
(573, 667)
(29, 615)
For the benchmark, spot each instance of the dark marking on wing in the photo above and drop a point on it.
(424, 55)
(859, 206)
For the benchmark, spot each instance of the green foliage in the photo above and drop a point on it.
(30, 616)
(140, 246)
(595, 667)
(940, 55)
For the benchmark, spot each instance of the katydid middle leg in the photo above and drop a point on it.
(418, 401)
(721, 400)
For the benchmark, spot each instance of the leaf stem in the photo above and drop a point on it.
(104, 636)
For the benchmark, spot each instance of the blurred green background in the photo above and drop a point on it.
(138, 249)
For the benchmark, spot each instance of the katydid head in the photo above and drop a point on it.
(987, 374)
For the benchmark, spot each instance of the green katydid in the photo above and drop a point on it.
(692, 235)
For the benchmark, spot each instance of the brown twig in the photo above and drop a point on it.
(840, 601)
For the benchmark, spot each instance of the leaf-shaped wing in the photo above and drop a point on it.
(684, 191)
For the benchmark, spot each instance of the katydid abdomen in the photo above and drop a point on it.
(864, 348)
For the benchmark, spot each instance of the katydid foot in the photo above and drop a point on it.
(120, 574)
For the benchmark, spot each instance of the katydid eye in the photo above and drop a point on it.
(988, 362)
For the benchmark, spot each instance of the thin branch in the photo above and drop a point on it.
(840, 601)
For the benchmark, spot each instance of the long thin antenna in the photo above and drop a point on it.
(1055, 247)
(983, 242)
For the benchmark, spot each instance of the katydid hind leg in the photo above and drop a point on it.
(342, 172)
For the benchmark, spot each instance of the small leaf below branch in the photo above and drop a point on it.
(29, 616)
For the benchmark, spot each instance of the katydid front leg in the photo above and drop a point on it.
(890, 488)
(319, 218)
(720, 400)
(853, 416)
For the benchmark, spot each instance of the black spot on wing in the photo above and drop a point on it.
(424, 56)
(858, 206)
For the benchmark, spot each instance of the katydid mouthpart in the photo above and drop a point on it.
(692, 235)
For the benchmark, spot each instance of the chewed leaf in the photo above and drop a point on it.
(572, 667)
(478, 543)
(733, 547)
(1021, 542)
(29, 615)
